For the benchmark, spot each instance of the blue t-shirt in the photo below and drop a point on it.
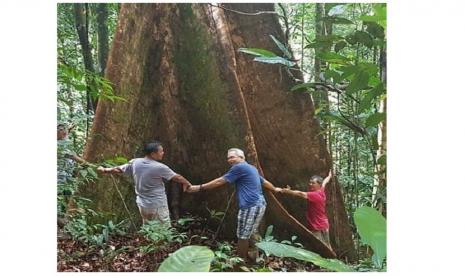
(248, 184)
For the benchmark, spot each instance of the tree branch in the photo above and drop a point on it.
(247, 13)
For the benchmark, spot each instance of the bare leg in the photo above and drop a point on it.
(242, 248)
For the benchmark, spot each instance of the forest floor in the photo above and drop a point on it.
(128, 253)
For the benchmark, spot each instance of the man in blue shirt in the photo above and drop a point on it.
(252, 204)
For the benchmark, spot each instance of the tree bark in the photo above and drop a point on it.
(185, 83)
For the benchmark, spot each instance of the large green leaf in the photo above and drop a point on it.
(257, 52)
(381, 160)
(371, 226)
(379, 17)
(359, 82)
(348, 70)
(303, 86)
(364, 38)
(341, 120)
(371, 97)
(374, 119)
(339, 46)
(191, 258)
(275, 60)
(333, 57)
(331, 74)
(337, 20)
(283, 250)
(324, 41)
(282, 47)
(375, 29)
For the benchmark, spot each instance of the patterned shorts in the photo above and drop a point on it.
(248, 221)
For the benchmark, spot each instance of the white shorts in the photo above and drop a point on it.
(161, 213)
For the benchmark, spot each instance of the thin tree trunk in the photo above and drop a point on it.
(319, 32)
(80, 19)
(380, 180)
(302, 49)
(102, 34)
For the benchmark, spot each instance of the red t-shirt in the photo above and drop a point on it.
(316, 211)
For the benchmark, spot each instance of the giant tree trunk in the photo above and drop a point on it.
(185, 84)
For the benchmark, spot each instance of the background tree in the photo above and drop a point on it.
(103, 38)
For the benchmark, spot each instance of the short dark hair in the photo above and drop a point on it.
(153, 146)
(316, 178)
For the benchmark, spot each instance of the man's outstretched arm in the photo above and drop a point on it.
(109, 170)
(327, 179)
(183, 181)
(294, 193)
(269, 186)
(207, 186)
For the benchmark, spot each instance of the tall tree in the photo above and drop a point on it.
(102, 34)
(323, 29)
(82, 27)
(185, 83)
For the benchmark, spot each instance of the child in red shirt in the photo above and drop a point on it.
(316, 206)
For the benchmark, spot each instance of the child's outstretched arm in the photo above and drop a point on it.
(327, 179)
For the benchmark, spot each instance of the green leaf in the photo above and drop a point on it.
(333, 57)
(303, 86)
(80, 87)
(191, 258)
(269, 230)
(337, 20)
(282, 47)
(371, 226)
(348, 71)
(336, 10)
(374, 119)
(375, 30)
(275, 60)
(324, 41)
(370, 97)
(83, 173)
(379, 17)
(366, 102)
(341, 120)
(257, 52)
(363, 38)
(359, 82)
(331, 74)
(381, 160)
(120, 160)
(92, 172)
(339, 46)
(288, 251)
